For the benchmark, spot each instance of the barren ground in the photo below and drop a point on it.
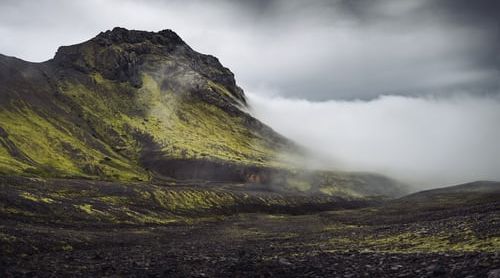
(444, 234)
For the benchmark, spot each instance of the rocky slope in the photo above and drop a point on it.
(133, 105)
(52, 228)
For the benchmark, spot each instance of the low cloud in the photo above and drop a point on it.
(425, 141)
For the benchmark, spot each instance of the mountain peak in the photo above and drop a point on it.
(121, 35)
(118, 53)
(123, 55)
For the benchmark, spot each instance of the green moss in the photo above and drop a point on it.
(67, 247)
(276, 217)
(37, 137)
(189, 200)
(220, 89)
(341, 227)
(8, 164)
(114, 200)
(34, 198)
(149, 217)
(101, 143)
(299, 184)
(410, 242)
(87, 208)
(188, 128)
(15, 211)
(343, 190)
(57, 151)
(7, 238)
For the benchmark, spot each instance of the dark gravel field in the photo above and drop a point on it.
(446, 233)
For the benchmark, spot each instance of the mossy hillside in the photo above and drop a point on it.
(344, 184)
(113, 112)
(182, 127)
(50, 133)
(96, 202)
(8, 164)
(95, 132)
(189, 128)
(51, 146)
(30, 133)
(127, 105)
(154, 85)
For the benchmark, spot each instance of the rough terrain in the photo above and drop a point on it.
(131, 154)
(421, 235)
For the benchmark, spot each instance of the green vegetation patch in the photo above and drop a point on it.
(35, 198)
(409, 242)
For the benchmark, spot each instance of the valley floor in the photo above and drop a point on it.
(421, 236)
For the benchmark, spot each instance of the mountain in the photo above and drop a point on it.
(138, 106)
(451, 196)
(131, 154)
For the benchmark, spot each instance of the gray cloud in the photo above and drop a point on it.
(313, 49)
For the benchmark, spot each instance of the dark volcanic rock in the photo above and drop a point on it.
(119, 54)
(436, 270)
(495, 273)
(74, 228)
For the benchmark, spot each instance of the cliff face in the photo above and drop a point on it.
(123, 55)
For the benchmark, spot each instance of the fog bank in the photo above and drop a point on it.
(425, 141)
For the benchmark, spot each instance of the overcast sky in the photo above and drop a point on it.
(409, 88)
(308, 49)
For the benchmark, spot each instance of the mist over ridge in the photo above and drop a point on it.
(426, 141)
(349, 59)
